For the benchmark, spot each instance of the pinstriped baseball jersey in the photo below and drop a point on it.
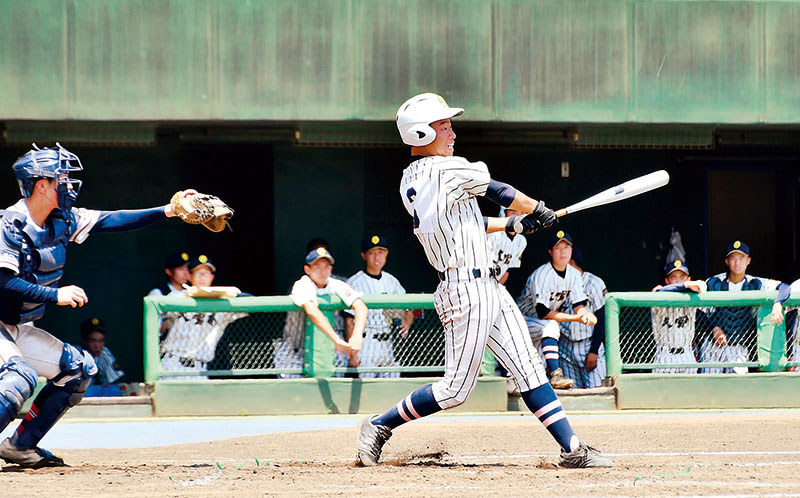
(595, 290)
(377, 321)
(547, 287)
(439, 193)
(506, 251)
(673, 328)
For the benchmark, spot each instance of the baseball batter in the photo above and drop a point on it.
(377, 349)
(439, 191)
(674, 327)
(545, 294)
(732, 325)
(580, 347)
(34, 234)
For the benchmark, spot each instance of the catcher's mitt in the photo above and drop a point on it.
(201, 209)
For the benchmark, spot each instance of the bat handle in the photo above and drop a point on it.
(561, 212)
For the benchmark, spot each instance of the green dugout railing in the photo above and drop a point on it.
(630, 343)
(253, 338)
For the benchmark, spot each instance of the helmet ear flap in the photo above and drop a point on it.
(420, 134)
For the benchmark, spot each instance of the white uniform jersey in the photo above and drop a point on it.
(378, 321)
(439, 193)
(673, 328)
(547, 287)
(595, 290)
(506, 251)
(195, 335)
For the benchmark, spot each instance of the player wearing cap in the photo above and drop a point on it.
(379, 333)
(545, 293)
(316, 282)
(732, 334)
(674, 327)
(506, 248)
(439, 191)
(93, 340)
(191, 338)
(176, 267)
(35, 233)
(580, 348)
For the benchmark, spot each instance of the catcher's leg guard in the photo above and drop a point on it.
(60, 394)
(17, 382)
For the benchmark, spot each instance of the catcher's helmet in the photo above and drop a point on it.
(54, 163)
(417, 113)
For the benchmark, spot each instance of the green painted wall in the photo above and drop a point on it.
(606, 61)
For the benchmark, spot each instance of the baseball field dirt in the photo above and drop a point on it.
(709, 454)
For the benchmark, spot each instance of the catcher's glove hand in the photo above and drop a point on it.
(201, 209)
(542, 217)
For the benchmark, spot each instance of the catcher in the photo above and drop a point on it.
(34, 234)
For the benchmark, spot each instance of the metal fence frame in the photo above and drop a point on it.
(318, 353)
(771, 339)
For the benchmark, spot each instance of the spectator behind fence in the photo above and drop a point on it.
(317, 281)
(543, 297)
(383, 327)
(176, 267)
(580, 347)
(93, 340)
(674, 327)
(192, 337)
(729, 325)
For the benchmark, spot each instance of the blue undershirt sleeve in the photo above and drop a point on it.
(673, 288)
(17, 288)
(485, 222)
(542, 310)
(500, 193)
(599, 332)
(784, 291)
(127, 219)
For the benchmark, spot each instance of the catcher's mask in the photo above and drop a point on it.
(415, 116)
(55, 164)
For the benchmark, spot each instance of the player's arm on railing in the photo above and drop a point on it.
(318, 318)
(360, 320)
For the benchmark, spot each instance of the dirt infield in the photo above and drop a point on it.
(742, 454)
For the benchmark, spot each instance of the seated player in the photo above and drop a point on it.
(580, 347)
(317, 281)
(545, 293)
(733, 327)
(674, 327)
(93, 340)
(192, 337)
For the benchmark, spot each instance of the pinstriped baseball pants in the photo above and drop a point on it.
(476, 313)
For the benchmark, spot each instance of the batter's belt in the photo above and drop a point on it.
(469, 273)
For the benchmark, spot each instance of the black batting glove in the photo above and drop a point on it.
(546, 216)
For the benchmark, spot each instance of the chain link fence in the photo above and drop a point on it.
(190, 339)
(714, 332)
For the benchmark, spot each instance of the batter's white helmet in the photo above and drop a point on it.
(415, 116)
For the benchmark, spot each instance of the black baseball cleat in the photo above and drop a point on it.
(31, 458)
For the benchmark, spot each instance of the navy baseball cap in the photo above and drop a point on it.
(676, 265)
(737, 246)
(373, 242)
(557, 237)
(200, 261)
(175, 260)
(93, 324)
(319, 253)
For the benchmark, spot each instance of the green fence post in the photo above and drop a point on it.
(319, 351)
(771, 341)
(613, 358)
(152, 355)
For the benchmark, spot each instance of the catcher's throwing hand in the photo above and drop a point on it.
(72, 295)
(200, 209)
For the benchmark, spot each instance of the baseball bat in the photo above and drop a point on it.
(625, 190)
